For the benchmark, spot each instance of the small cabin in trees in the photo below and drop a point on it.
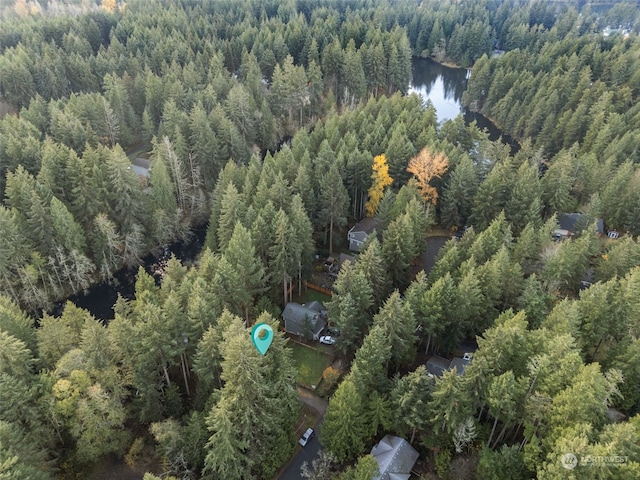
(343, 258)
(437, 365)
(396, 458)
(359, 233)
(571, 224)
(308, 320)
(334, 265)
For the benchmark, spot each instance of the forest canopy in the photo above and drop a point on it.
(275, 126)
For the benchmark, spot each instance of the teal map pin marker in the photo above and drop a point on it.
(262, 336)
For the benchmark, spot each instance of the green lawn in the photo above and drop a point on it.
(311, 295)
(310, 364)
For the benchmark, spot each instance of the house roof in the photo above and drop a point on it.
(344, 257)
(296, 317)
(460, 364)
(614, 416)
(366, 225)
(568, 221)
(437, 365)
(316, 306)
(395, 456)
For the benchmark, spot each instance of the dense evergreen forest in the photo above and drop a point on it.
(277, 125)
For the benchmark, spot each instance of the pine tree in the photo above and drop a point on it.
(503, 398)
(399, 151)
(242, 111)
(240, 253)
(231, 213)
(457, 198)
(334, 201)
(398, 249)
(56, 336)
(343, 430)
(18, 457)
(524, 205)
(303, 230)
(353, 80)
(492, 195)
(67, 232)
(17, 359)
(107, 245)
(449, 403)
(365, 468)
(229, 459)
(371, 264)
(398, 324)
(282, 251)
(235, 425)
(163, 203)
(410, 396)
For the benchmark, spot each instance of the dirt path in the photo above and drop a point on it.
(313, 401)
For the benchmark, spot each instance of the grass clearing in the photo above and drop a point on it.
(311, 295)
(438, 231)
(310, 364)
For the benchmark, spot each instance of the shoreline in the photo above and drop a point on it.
(510, 140)
(444, 64)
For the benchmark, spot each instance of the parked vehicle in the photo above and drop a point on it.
(333, 331)
(327, 340)
(306, 436)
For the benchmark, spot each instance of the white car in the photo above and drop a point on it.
(306, 436)
(327, 340)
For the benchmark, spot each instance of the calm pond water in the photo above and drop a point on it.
(100, 298)
(444, 87)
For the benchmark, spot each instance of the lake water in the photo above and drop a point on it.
(441, 85)
(100, 298)
(444, 86)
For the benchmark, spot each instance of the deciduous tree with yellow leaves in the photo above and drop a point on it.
(109, 5)
(381, 180)
(426, 166)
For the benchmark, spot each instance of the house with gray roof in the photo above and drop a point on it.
(459, 364)
(343, 258)
(396, 458)
(359, 233)
(571, 224)
(305, 320)
(437, 365)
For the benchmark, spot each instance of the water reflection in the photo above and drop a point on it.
(100, 298)
(441, 85)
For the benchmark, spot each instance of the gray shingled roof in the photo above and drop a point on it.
(366, 225)
(295, 317)
(460, 364)
(437, 365)
(568, 221)
(316, 306)
(395, 456)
